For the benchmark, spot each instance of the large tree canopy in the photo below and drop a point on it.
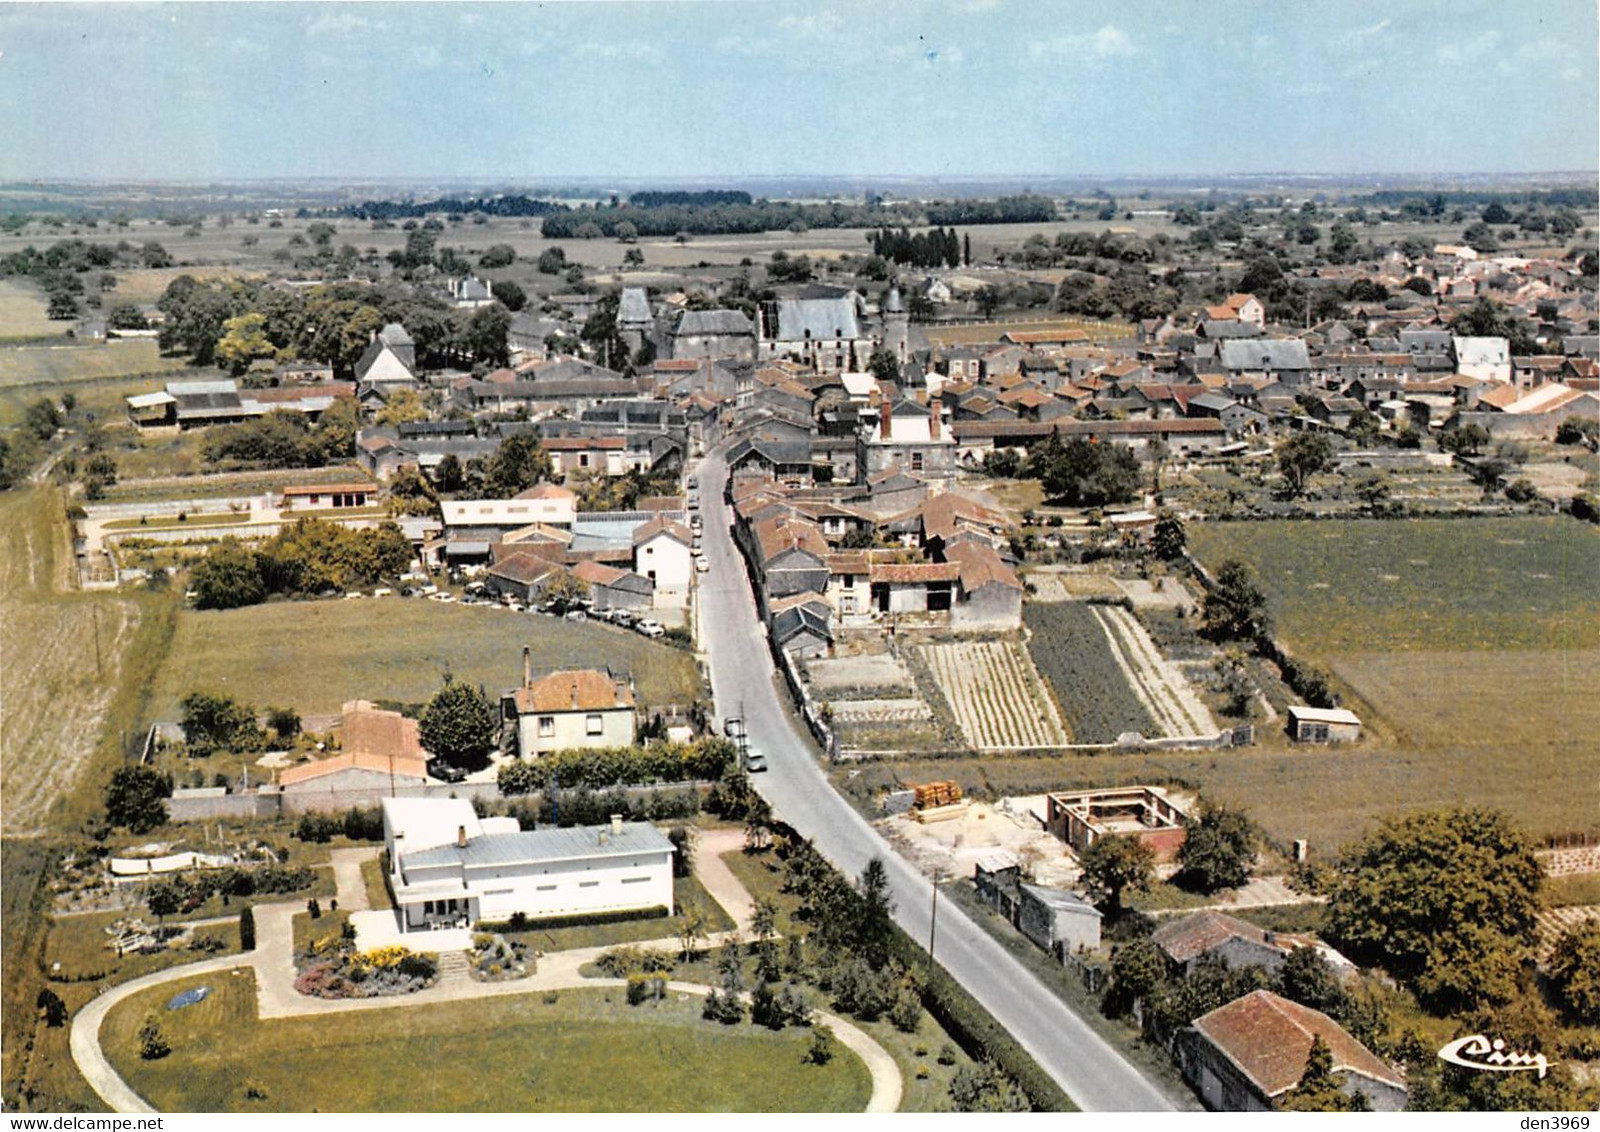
(1444, 900)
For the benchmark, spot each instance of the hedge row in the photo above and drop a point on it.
(521, 923)
(701, 761)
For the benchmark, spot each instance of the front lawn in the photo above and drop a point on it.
(586, 1051)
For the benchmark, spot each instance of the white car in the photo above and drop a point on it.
(649, 628)
(702, 564)
(383, 591)
(443, 599)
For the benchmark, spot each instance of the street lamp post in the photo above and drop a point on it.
(933, 915)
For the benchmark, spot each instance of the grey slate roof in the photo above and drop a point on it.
(1215, 328)
(713, 322)
(800, 319)
(1265, 354)
(799, 619)
(537, 845)
(1061, 900)
(634, 306)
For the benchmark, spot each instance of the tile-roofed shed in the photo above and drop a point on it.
(1268, 1038)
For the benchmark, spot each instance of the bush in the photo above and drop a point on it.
(822, 1047)
(153, 1044)
(247, 930)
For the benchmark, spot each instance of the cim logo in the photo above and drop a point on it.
(1477, 1052)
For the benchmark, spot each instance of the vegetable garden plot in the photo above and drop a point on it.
(1072, 652)
(996, 695)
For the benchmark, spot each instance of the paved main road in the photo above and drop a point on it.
(743, 679)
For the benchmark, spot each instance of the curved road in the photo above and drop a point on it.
(743, 678)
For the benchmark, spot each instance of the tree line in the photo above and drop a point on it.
(935, 248)
(312, 556)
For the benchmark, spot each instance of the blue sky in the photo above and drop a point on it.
(532, 93)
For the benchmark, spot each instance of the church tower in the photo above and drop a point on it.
(896, 325)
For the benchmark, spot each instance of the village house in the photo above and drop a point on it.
(449, 868)
(714, 334)
(389, 361)
(570, 708)
(824, 334)
(662, 553)
(611, 587)
(1250, 1054)
(1056, 920)
(910, 437)
(1323, 725)
(379, 753)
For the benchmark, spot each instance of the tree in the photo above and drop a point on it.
(247, 930)
(227, 577)
(61, 306)
(486, 337)
(448, 475)
(401, 407)
(1218, 849)
(518, 464)
(244, 339)
(1575, 973)
(1466, 440)
(1444, 900)
(552, 261)
(460, 725)
(1169, 540)
(1235, 607)
(51, 1008)
(164, 900)
(633, 257)
(1302, 456)
(1321, 1089)
(1309, 979)
(875, 915)
(498, 255)
(1373, 490)
(692, 930)
(218, 723)
(1363, 427)
(883, 365)
(136, 798)
(627, 232)
(284, 722)
(509, 294)
(1114, 865)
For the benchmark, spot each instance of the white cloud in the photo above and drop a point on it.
(339, 23)
(1368, 32)
(1475, 48)
(630, 50)
(1106, 43)
(825, 22)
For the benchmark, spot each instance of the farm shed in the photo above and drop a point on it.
(1246, 1055)
(1059, 921)
(1323, 725)
(1145, 812)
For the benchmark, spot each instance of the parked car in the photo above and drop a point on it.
(694, 503)
(733, 727)
(443, 599)
(694, 482)
(624, 617)
(577, 615)
(754, 761)
(383, 591)
(445, 772)
(702, 564)
(649, 628)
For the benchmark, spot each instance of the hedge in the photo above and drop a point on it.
(586, 920)
(701, 761)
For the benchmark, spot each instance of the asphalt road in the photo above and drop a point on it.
(744, 681)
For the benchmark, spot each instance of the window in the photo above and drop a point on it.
(545, 888)
(547, 726)
(635, 880)
(916, 461)
(588, 884)
(594, 725)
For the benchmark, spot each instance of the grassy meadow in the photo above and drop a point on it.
(587, 1051)
(315, 655)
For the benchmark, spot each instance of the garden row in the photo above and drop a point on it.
(994, 697)
(1071, 651)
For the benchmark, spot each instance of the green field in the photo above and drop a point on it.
(586, 1052)
(90, 361)
(315, 655)
(22, 312)
(1349, 586)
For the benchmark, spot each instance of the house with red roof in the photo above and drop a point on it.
(1249, 1055)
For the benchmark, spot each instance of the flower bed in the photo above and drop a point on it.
(333, 968)
(495, 959)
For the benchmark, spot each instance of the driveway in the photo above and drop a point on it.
(273, 964)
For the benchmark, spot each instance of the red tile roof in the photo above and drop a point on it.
(582, 689)
(1268, 1038)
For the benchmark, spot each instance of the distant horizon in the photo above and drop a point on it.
(206, 92)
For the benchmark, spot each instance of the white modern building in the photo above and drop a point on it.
(662, 552)
(448, 867)
(546, 503)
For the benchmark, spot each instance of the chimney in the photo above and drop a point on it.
(884, 419)
(527, 667)
(616, 824)
(461, 837)
(933, 424)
